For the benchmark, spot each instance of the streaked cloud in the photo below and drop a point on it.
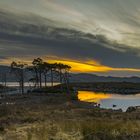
(104, 32)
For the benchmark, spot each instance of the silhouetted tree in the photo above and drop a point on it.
(66, 75)
(19, 70)
(34, 79)
(46, 68)
(59, 70)
(42, 69)
(38, 67)
(52, 68)
(63, 71)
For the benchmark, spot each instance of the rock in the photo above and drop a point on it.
(131, 109)
(114, 105)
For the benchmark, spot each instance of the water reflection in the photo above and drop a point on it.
(114, 101)
(89, 96)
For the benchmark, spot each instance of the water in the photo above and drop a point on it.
(108, 100)
(27, 86)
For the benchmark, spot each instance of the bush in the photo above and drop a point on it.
(2, 129)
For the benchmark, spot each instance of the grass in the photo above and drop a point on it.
(81, 130)
(111, 130)
(59, 116)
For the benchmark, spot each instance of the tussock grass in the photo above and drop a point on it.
(54, 117)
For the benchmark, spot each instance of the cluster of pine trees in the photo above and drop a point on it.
(40, 71)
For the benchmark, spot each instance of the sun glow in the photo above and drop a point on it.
(87, 66)
(84, 66)
(91, 66)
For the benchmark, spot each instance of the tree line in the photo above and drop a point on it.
(40, 71)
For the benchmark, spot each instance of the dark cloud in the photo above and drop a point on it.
(29, 36)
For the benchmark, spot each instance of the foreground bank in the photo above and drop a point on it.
(56, 116)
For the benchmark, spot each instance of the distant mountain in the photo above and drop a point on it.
(6, 70)
(81, 77)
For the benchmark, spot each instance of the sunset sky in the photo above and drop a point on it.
(96, 36)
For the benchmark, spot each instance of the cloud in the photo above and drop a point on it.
(63, 42)
(117, 20)
(29, 35)
(57, 7)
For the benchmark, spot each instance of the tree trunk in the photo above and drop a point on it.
(45, 78)
(66, 82)
(22, 81)
(40, 79)
(37, 79)
(60, 74)
(51, 77)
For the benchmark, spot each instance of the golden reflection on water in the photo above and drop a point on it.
(89, 96)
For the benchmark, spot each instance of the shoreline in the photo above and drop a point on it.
(123, 88)
(49, 114)
(106, 87)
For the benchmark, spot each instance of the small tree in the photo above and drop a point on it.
(19, 70)
(52, 68)
(63, 71)
(46, 68)
(38, 67)
(59, 69)
(66, 75)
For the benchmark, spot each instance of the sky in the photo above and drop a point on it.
(93, 36)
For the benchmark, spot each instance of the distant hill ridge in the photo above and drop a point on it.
(80, 77)
(84, 77)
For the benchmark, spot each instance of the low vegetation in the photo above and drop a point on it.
(61, 116)
(54, 113)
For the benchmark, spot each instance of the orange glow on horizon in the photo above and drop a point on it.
(83, 67)
(88, 66)
(91, 66)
